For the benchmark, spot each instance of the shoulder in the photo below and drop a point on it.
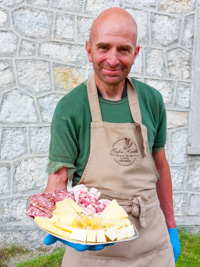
(73, 101)
(145, 89)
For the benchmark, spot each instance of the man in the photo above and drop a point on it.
(105, 134)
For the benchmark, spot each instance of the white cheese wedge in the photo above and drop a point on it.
(110, 223)
(92, 236)
(125, 232)
(45, 224)
(79, 234)
(130, 231)
(67, 206)
(101, 236)
(111, 234)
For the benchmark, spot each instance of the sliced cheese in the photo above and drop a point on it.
(111, 234)
(101, 236)
(125, 232)
(79, 234)
(92, 236)
(110, 223)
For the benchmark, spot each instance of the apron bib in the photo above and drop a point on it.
(120, 166)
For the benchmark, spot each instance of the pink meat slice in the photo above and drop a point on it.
(34, 211)
(60, 195)
(41, 200)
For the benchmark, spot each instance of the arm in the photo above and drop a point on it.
(57, 181)
(164, 187)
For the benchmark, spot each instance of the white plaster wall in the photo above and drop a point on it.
(42, 57)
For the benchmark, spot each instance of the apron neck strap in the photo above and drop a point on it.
(95, 106)
(93, 99)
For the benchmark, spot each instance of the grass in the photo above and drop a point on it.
(190, 253)
(190, 249)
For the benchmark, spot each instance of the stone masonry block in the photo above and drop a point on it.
(4, 18)
(178, 146)
(64, 28)
(32, 239)
(141, 18)
(5, 179)
(27, 48)
(7, 79)
(42, 3)
(70, 5)
(178, 178)
(180, 202)
(193, 182)
(72, 54)
(30, 175)
(177, 6)
(164, 87)
(97, 6)
(8, 44)
(83, 29)
(183, 95)
(33, 23)
(165, 29)
(176, 119)
(179, 63)
(18, 108)
(194, 205)
(13, 143)
(66, 78)
(47, 106)
(155, 65)
(137, 67)
(13, 210)
(188, 32)
(12, 3)
(34, 75)
(39, 139)
(144, 3)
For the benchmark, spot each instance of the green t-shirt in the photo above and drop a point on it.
(70, 128)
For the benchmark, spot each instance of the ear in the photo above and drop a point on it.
(137, 50)
(88, 50)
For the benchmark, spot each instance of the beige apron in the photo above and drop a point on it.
(121, 167)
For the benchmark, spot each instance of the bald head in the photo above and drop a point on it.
(114, 15)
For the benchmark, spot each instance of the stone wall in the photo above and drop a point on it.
(42, 57)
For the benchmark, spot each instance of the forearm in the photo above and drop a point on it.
(57, 181)
(164, 189)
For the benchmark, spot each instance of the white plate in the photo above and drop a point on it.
(88, 243)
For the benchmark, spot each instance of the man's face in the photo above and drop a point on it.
(112, 51)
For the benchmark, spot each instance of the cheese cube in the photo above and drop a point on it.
(91, 237)
(79, 234)
(101, 236)
(111, 234)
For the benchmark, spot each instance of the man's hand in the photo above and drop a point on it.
(173, 233)
(50, 239)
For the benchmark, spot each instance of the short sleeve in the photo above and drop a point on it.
(63, 144)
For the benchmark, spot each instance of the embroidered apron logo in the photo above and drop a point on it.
(124, 151)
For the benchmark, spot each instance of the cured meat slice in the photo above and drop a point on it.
(41, 200)
(34, 211)
(60, 195)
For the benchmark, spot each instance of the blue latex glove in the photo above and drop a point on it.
(50, 239)
(173, 233)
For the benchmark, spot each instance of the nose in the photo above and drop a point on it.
(112, 58)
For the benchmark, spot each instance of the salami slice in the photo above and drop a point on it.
(34, 211)
(60, 195)
(41, 200)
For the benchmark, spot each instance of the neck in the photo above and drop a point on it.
(110, 92)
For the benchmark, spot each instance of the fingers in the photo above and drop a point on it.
(50, 239)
